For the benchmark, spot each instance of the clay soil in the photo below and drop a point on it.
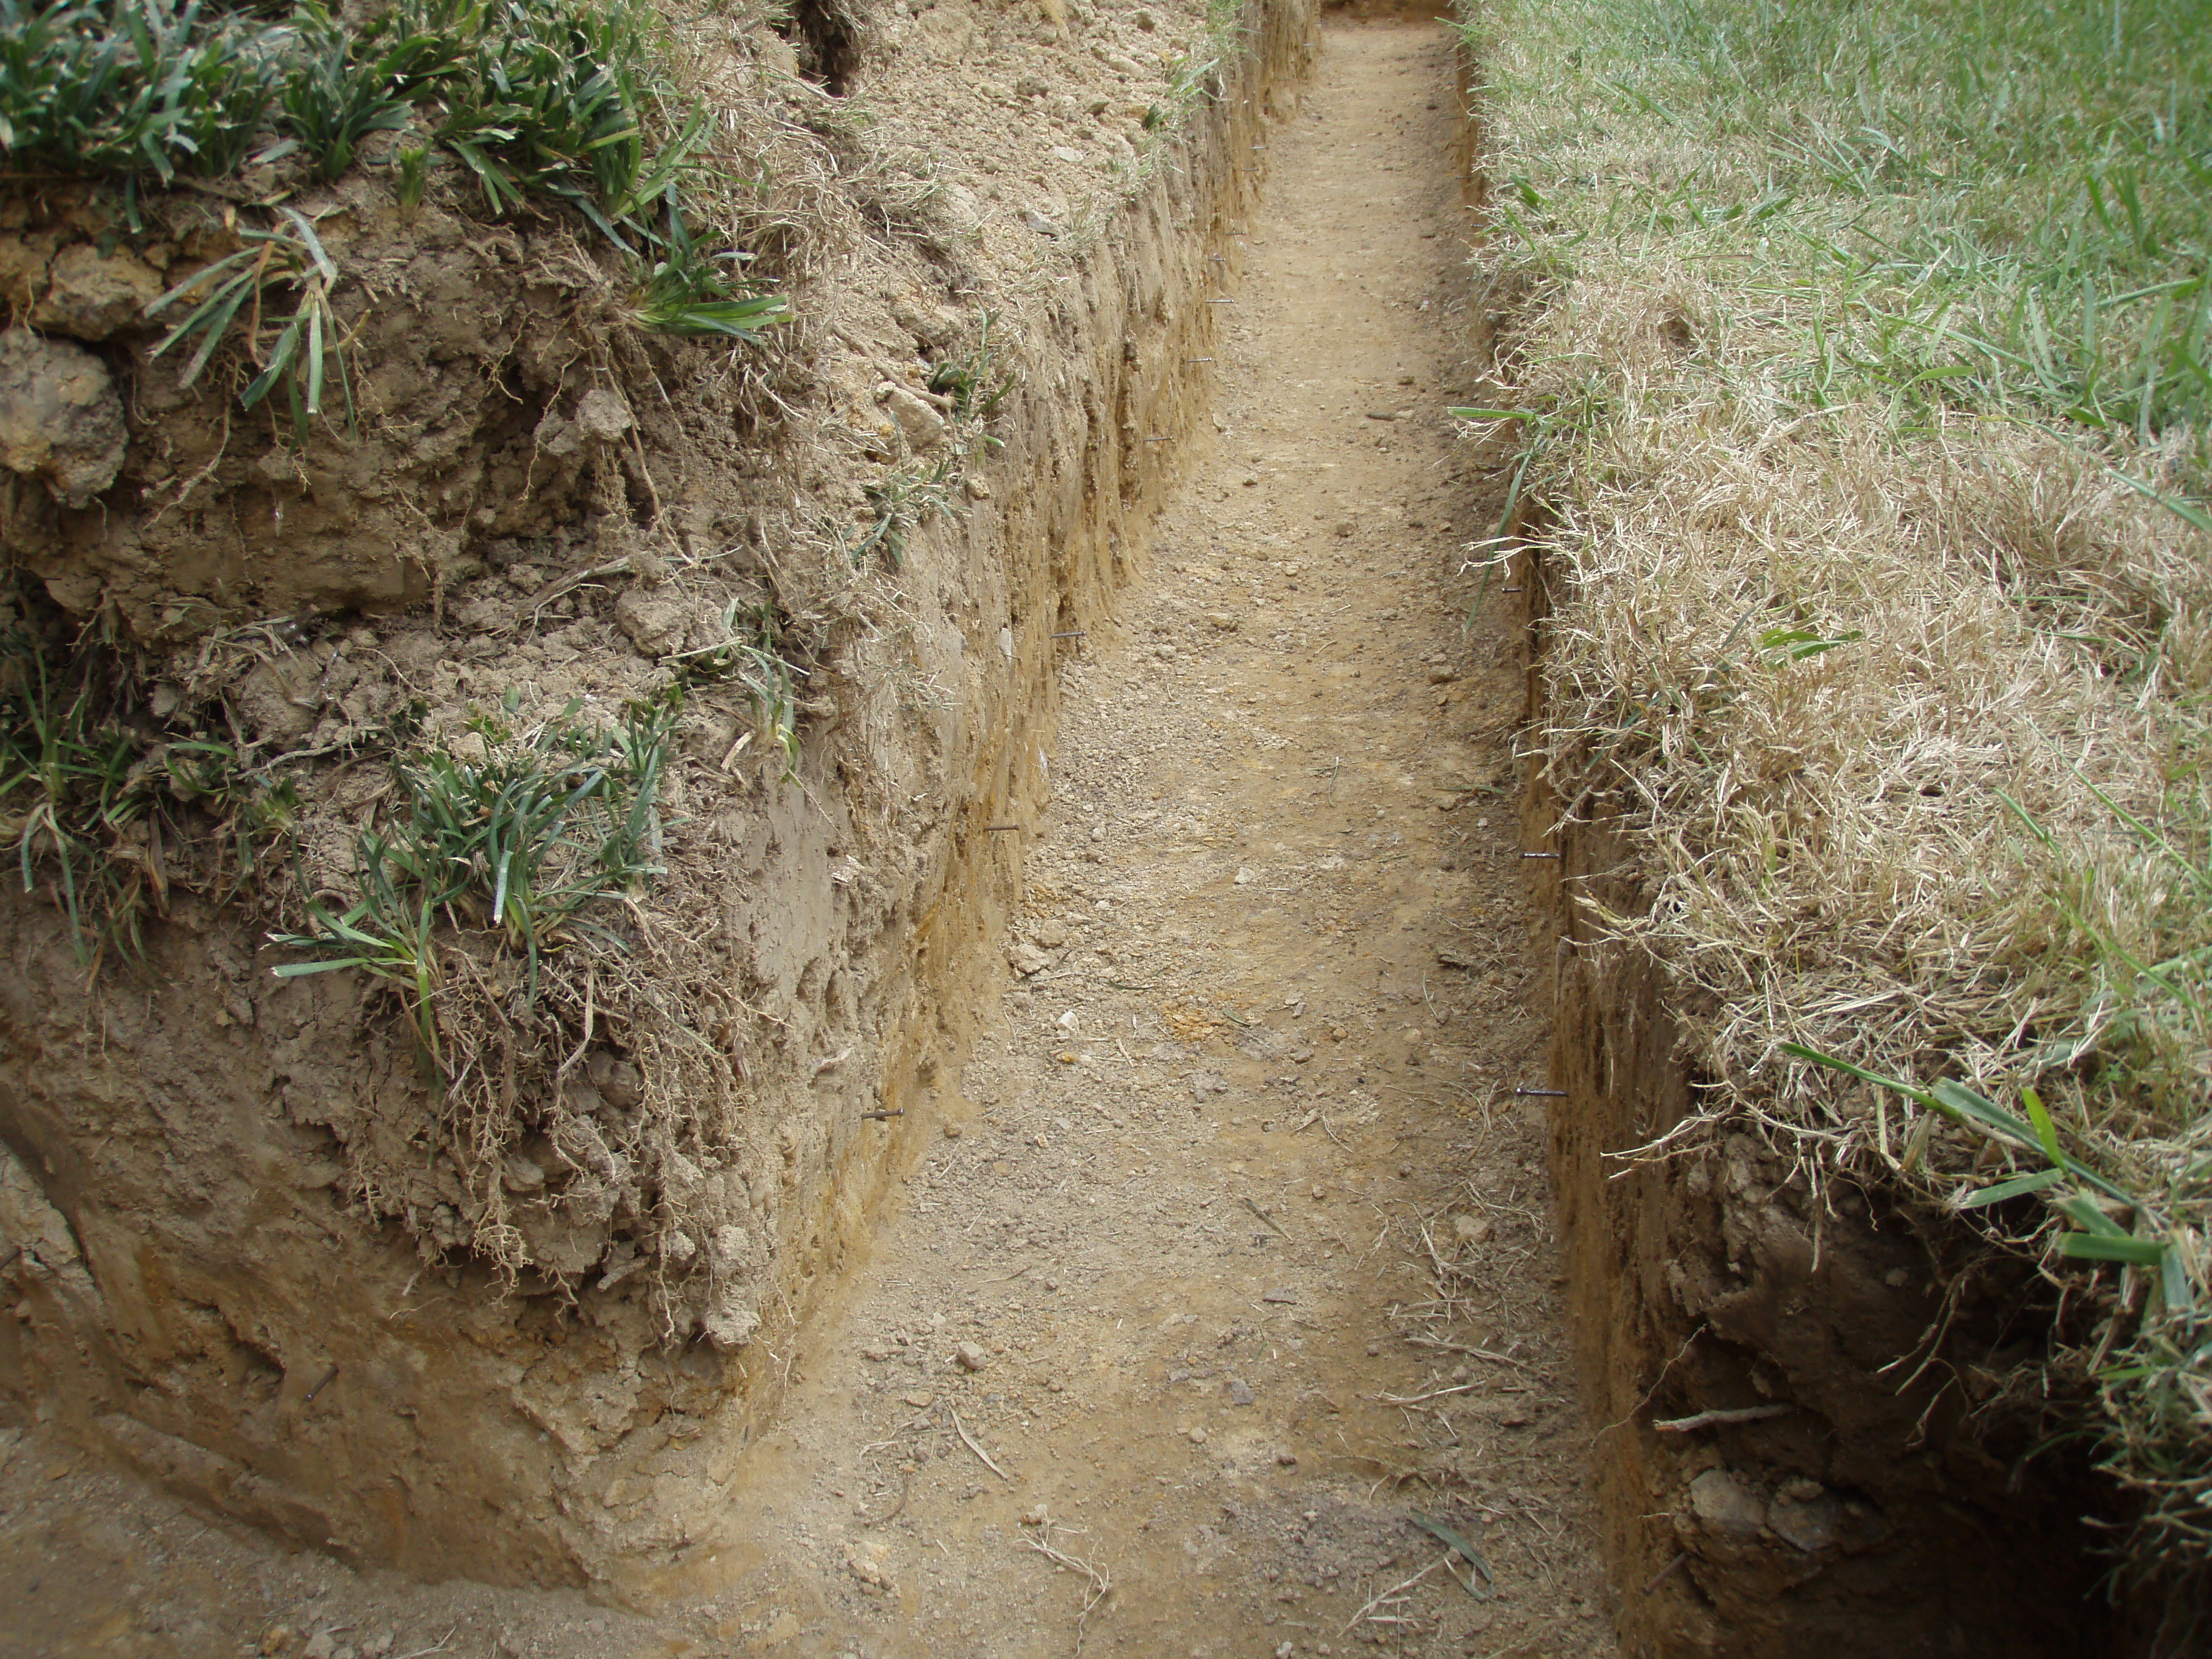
(1229, 1251)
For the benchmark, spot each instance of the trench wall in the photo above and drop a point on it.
(1872, 1508)
(187, 1291)
(1876, 1499)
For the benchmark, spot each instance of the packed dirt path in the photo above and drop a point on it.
(1234, 1252)
(1230, 1254)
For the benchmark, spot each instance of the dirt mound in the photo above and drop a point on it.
(605, 722)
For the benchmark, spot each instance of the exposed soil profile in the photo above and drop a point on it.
(427, 1278)
(1841, 1495)
(1195, 1283)
(1226, 1250)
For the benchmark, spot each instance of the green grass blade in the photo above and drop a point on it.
(280, 359)
(314, 245)
(2042, 1181)
(315, 362)
(1897, 1085)
(328, 964)
(2104, 1247)
(211, 335)
(2046, 1132)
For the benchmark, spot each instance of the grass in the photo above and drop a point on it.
(566, 101)
(134, 89)
(516, 849)
(900, 502)
(751, 656)
(1864, 400)
(688, 292)
(1196, 74)
(976, 381)
(107, 807)
(343, 87)
(1997, 209)
(310, 342)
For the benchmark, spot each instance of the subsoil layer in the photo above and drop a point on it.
(1229, 1250)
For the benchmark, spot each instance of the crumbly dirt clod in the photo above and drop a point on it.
(60, 420)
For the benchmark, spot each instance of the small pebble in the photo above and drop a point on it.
(969, 1358)
(1289, 1460)
(1373, 1349)
(1197, 1435)
(952, 1132)
(1471, 1230)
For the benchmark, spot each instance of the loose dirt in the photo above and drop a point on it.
(1229, 1252)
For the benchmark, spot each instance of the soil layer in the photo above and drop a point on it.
(1837, 1472)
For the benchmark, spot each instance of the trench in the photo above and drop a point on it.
(1278, 1199)
(1216, 1241)
(1227, 1248)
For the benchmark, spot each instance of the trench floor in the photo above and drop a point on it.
(1244, 1226)
(1235, 1214)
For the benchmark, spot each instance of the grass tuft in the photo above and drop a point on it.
(569, 100)
(134, 88)
(514, 849)
(751, 656)
(309, 343)
(107, 807)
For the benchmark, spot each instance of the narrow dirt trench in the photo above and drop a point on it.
(1234, 1254)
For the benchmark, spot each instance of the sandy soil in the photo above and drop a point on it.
(1232, 1253)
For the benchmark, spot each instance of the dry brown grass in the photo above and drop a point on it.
(1905, 695)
